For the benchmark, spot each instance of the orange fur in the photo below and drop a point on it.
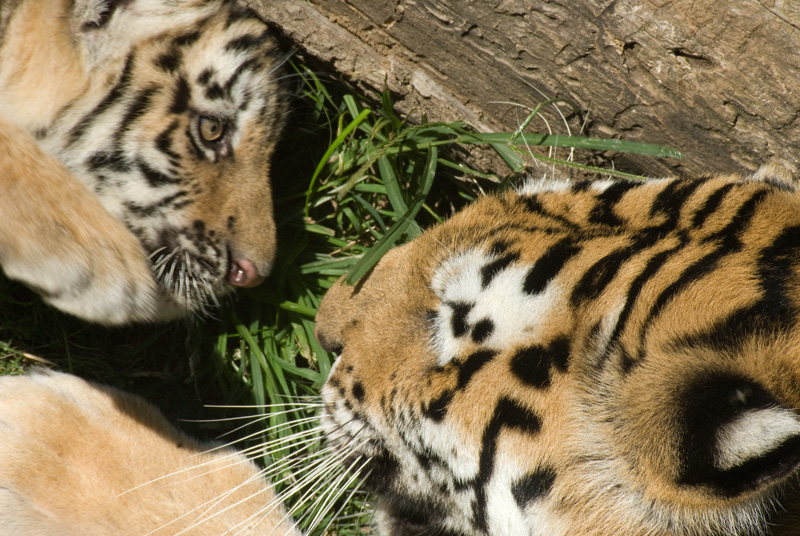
(579, 406)
(80, 459)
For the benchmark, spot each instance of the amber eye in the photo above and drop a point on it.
(211, 128)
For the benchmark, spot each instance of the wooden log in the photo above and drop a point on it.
(716, 80)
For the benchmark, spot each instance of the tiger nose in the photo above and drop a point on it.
(326, 343)
(243, 273)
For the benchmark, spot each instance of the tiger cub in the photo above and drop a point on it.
(596, 359)
(79, 459)
(135, 145)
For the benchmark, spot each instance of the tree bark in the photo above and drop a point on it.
(716, 80)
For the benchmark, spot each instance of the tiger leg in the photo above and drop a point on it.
(56, 238)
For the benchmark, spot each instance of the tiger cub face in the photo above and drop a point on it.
(169, 112)
(591, 358)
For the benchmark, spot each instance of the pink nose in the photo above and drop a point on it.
(243, 273)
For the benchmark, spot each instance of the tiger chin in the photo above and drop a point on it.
(580, 358)
(135, 146)
(79, 459)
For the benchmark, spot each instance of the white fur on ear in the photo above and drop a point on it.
(108, 29)
(754, 434)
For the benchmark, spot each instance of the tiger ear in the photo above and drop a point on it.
(94, 25)
(737, 438)
(780, 174)
(93, 15)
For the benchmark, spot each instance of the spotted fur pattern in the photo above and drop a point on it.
(167, 111)
(584, 358)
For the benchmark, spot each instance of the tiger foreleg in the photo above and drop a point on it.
(56, 238)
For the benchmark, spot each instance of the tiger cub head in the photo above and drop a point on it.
(584, 358)
(169, 110)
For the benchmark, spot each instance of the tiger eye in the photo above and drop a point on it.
(211, 128)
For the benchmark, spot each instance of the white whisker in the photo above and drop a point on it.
(275, 428)
(276, 405)
(281, 499)
(264, 417)
(337, 516)
(336, 491)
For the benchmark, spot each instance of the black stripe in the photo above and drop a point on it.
(189, 38)
(534, 365)
(603, 211)
(246, 42)
(436, 409)
(472, 365)
(730, 233)
(778, 273)
(154, 177)
(164, 142)
(508, 414)
(169, 61)
(709, 403)
(111, 97)
(672, 199)
(198, 151)
(580, 186)
(237, 13)
(136, 109)
(533, 486)
(774, 314)
(171, 202)
(458, 318)
(729, 244)
(112, 160)
(482, 330)
(654, 264)
(754, 474)
(547, 267)
(690, 275)
(358, 391)
(595, 280)
(710, 205)
(491, 270)
(180, 97)
(762, 319)
(205, 77)
(499, 248)
(534, 205)
(252, 64)
(215, 92)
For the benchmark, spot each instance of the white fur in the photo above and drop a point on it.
(517, 316)
(754, 434)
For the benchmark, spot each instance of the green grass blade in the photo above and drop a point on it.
(388, 240)
(577, 142)
(336, 143)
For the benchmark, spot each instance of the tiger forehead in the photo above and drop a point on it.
(537, 257)
(518, 227)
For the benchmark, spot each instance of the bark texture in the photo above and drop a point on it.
(717, 80)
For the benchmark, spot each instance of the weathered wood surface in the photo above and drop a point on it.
(718, 80)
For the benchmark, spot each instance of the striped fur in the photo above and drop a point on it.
(167, 111)
(581, 358)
